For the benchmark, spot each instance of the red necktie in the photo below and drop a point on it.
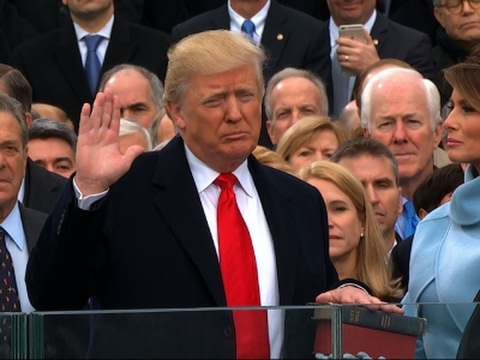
(239, 273)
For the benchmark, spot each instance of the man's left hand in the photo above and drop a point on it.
(356, 55)
(354, 295)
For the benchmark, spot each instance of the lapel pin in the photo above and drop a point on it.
(280, 37)
(375, 42)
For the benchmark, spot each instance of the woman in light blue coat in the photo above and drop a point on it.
(445, 259)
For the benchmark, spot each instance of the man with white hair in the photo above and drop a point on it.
(292, 94)
(402, 110)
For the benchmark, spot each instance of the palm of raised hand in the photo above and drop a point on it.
(99, 160)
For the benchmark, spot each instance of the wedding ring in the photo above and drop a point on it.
(346, 57)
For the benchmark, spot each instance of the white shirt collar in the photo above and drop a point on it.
(258, 19)
(13, 226)
(105, 31)
(334, 28)
(204, 176)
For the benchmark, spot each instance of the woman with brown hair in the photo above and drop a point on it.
(445, 258)
(356, 244)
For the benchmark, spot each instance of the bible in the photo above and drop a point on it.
(377, 333)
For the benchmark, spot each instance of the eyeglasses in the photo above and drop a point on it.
(456, 6)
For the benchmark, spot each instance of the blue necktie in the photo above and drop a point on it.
(248, 27)
(411, 220)
(92, 63)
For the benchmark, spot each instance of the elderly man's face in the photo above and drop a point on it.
(292, 99)
(464, 26)
(351, 11)
(134, 96)
(400, 119)
(13, 160)
(219, 117)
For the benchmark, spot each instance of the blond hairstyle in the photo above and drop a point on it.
(209, 52)
(271, 158)
(372, 267)
(303, 132)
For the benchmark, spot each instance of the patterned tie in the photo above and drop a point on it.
(411, 219)
(92, 63)
(8, 289)
(248, 27)
(239, 274)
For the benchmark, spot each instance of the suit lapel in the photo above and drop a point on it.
(32, 222)
(276, 205)
(121, 46)
(275, 35)
(67, 56)
(220, 18)
(180, 205)
(379, 32)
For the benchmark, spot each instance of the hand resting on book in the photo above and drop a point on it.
(360, 356)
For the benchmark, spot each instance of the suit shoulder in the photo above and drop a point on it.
(39, 44)
(38, 174)
(407, 32)
(290, 182)
(295, 15)
(32, 214)
(149, 32)
(198, 23)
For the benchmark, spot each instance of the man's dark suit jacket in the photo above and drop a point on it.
(290, 38)
(400, 42)
(33, 221)
(53, 66)
(42, 188)
(148, 245)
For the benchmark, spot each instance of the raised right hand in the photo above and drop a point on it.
(98, 159)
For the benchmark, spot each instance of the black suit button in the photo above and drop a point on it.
(228, 331)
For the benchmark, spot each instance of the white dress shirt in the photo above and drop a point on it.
(258, 19)
(17, 246)
(106, 32)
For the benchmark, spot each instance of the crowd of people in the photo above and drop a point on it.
(131, 132)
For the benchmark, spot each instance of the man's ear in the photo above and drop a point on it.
(28, 119)
(270, 132)
(422, 213)
(439, 16)
(438, 134)
(175, 114)
(366, 134)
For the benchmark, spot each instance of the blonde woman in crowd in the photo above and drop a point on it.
(356, 243)
(271, 158)
(310, 139)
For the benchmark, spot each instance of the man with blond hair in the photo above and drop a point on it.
(185, 254)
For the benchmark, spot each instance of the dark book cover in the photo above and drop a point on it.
(361, 316)
(377, 333)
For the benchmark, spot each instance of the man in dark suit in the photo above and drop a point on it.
(143, 234)
(54, 63)
(40, 188)
(290, 37)
(19, 226)
(383, 39)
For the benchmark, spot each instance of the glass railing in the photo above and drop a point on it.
(303, 332)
